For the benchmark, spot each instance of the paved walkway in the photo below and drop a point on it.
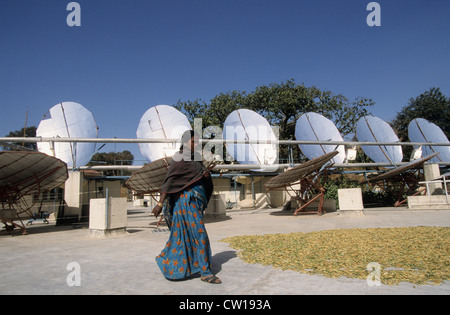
(43, 261)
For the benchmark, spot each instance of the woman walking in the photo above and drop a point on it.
(184, 196)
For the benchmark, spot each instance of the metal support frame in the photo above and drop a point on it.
(306, 187)
(443, 181)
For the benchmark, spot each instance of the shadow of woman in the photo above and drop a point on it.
(217, 260)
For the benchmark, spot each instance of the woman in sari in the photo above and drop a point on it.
(184, 196)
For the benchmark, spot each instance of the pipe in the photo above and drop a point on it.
(275, 167)
(216, 141)
(107, 209)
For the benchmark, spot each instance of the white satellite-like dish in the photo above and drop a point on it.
(161, 122)
(421, 130)
(374, 129)
(68, 120)
(315, 127)
(245, 124)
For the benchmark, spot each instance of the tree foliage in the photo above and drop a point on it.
(281, 104)
(113, 158)
(24, 132)
(431, 105)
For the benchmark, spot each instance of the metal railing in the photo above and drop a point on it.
(52, 140)
(213, 141)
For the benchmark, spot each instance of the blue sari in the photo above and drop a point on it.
(188, 250)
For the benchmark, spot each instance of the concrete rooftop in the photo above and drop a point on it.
(37, 263)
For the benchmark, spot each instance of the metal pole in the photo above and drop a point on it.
(445, 187)
(253, 193)
(235, 192)
(249, 166)
(107, 208)
(215, 141)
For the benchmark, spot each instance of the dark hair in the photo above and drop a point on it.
(187, 135)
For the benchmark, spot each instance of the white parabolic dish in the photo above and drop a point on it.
(245, 124)
(315, 127)
(161, 122)
(374, 129)
(421, 130)
(68, 120)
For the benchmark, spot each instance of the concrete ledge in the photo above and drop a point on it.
(353, 213)
(107, 233)
(438, 202)
(329, 205)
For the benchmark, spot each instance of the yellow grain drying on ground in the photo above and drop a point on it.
(418, 255)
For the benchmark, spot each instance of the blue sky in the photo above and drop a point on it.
(130, 55)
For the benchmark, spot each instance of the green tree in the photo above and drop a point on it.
(24, 132)
(281, 104)
(214, 113)
(113, 158)
(431, 105)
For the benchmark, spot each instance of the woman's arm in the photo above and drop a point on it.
(158, 208)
